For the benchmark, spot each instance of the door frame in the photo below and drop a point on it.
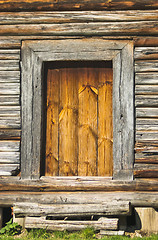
(34, 54)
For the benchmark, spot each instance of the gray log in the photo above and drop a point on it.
(58, 225)
(107, 209)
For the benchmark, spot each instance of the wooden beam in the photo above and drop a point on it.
(75, 184)
(29, 5)
(76, 29)
(60, 225)
(64, 210)
(143, 199)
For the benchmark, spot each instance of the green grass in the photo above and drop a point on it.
(87, 234)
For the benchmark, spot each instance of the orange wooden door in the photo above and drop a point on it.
(79, 131)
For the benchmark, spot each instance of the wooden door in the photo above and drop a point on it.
(79, 131)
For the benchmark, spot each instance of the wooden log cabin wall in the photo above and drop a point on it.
(116, 20)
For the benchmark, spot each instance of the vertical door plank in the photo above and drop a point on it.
(105, 123)
(51, 162)
(87, 159)
(68, 123)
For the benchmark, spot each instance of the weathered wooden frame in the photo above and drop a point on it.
(34, 54)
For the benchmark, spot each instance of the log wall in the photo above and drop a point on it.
(141, 26)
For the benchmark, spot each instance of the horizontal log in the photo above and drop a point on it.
(9, 54)
(9, 169)
(9, 157)
(64, 210)
(8, 134)
(10, 76)
(146, 152)
(146, 135)
(146, 101)
(10, 122)
(9, 65)
(146, 41)
(99, 28)
(145, 124)
(146, 89)
(58, 225)
(9, 100)
(146, 78)
(146, 66)
(147, 173)
(146, 156)
(33, 5)
(9, 88)
(146, 53)
(146, 112)
(9, 146)
(143, 199)
(65, 17)
(13, 111)
(76, 184)
(10, 43)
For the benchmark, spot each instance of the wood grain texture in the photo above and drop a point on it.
(9, 100)
(105, 123)
(142, 199)
(146, 78)
(9, 169)
(146, 66)
(76, 16)
(146, 101)
(76, 184)
(52, 156)
(76, 5)
(146, 170)
(68, 122)
(146, 53)
(105, 209)
(137, 28)
(60, 225)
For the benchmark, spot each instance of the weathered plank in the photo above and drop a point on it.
(146, 41)
(73, 16)
(146, 152)
(9, 157)
(10, 111)
(9, 134)
(10, 122)
(146, 89)
(146, 135)
(9, 146)
(96, 28)
(9, 54)
(9, 100)
(58, 225)
(143, 199)
(10, 76)
(146, 66)
(146, 101)
(147, 156)
(7, 88)
(9, 169)
(106, 209)
(75, 5)
(146, 78)
(146, 53)
(9, 43)
(146, 170)
(9, 65)
(76, 184)
(146, 112)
